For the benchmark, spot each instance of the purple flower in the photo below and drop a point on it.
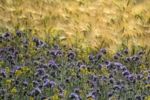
(99, 56)
(2, 73)
(73, 96)
(116, 87)
(122, 87)
(123, 68)
(45, 76)
(90, 96)
(111, 80)
(139, 76)
(49, 83)
(77, 90)
(41, 70)
(7, 34)
(11, 48)
(56, 46)
(43, 97)
(126, 51)
(115, 57)
(135, 58)
(141, 52)
(91, 57)
(139, 97)
(34, 82)
(37, 91)
(126, 72)
(110, 93)
(19, 33)
(71, 55)
(103, 50)
(51, 62)
(119, 54)
(94, 77)
(25, 83)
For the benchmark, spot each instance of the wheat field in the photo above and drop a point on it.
(85, 23)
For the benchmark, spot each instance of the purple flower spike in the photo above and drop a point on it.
(7, 34)
(139, 97)
(25, 83)
(126, 72)
(103, 51)
(73, 96)
(19, 33)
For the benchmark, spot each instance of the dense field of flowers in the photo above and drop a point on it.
(31, 69)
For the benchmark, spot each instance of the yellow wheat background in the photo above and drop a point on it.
(93, 23)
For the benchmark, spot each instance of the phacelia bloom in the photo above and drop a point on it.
(119, 54)
(11, 48)
(139, 76)
(141, 52)
(116, 57)
(73, 96)
(71, 55)
(126, 51)
(126, 72)
(135, 58)
(2, 73)
(54, 52)
(37, 91)
(90, 96)
(36, 41)
(110, 93)
(104, 50)
(7, 34)
(123, 68)
(116, 87)
(49, 83)
(45, 76)
(139, 97)
(91, 57)
(19, 33)
(25, 83)
(99, 56)
(51, 62)
(77, 91)
(56, 46)
(111, 80)
(43, 97)
(41, 70)
(122, 87)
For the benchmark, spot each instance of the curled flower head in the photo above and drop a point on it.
(110, 93)
(139, 97)
(126, 72)
(77, 90)
(25, 83)
(103, 50)
(7, 34)
(73, 96)
(126, 51)
(99, 56)
(49, 83)
(71, 55)
(37, 91)
(141, 52)
(19, 33)
(91, 57)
